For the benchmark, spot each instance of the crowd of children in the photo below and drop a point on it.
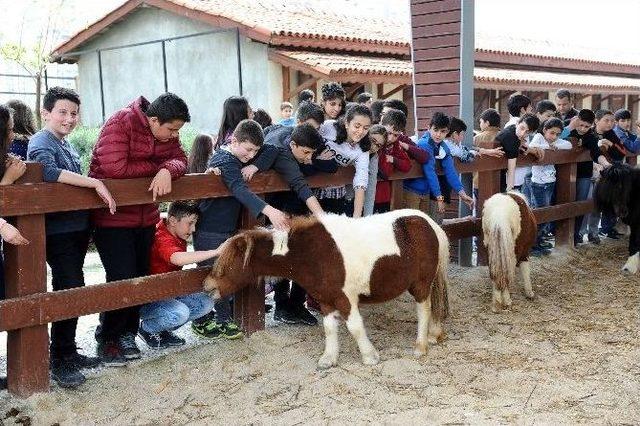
(141, 140)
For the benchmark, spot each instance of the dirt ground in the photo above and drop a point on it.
(570, 356)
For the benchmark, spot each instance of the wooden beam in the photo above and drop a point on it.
(286, 84)
(353, 90)
(310, 82)
(379, 90)
(393, 91)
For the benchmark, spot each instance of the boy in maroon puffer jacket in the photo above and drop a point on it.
(140, 140)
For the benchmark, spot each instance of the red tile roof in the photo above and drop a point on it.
(492, 78)
(345, 67)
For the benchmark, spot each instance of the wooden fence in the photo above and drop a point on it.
(29, 308)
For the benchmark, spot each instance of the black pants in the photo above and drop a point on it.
(65, 256)
(382, 207)
(125, 254)
(334, 205)
(288, 299)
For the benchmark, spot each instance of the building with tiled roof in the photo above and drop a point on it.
(192, 47)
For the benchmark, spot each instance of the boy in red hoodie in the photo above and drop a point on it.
(140, 140)
(390, 157)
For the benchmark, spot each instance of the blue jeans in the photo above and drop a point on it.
(541, 194)
(526, 188)
(171, 314)
(583, 191)
(209, 241)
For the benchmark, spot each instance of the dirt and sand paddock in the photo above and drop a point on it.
(570, 356)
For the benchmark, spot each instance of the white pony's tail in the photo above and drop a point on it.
(501, 227)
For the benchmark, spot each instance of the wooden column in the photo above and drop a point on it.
(565, 193)
(286, 84)
(25, 274)
(248, 304)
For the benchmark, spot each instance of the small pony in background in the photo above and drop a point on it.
(341, 262)
(618, 193)
(509, 230)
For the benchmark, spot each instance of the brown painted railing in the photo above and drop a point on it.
(29, 307)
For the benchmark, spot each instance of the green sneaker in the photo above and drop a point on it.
(209, 329)
(231, 331)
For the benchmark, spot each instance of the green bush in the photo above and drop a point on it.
(84, 138)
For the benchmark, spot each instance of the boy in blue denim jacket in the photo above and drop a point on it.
(420, 191)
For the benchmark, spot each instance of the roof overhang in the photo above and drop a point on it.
(346, 68)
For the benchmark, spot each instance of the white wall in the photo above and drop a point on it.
(202, 70)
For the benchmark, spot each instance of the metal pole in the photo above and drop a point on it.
(239, 61)
(46, 80)
(164, 66)
(101, 86)
(465, 251)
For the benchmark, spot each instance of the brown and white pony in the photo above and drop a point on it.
(509, 230)
(340, 262)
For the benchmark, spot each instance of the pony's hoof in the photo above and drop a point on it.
(632, 264)
(326, 362)
(419, 350)
(530, 296)
(371, 359)
(496, 308)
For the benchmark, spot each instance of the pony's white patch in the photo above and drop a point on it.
(330, 356)
(363, 241)
(280, 242)
(422, 309)
(632, 263)
(355, 326)
(525, 272)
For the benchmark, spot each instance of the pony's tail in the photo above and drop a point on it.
(500, 243)
(439, 289)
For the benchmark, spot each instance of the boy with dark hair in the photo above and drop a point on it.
(168, 254)
(489, 122)
(545, 110)
(564, 106)
(286, 111)
(580, 133)
(512, 139)
(419, 191)
(219, 216)
(395, 104)
(68, 232)
(623, 130)
(391, 157)
(365, 98)
(517, 105)
(395, 121)
(306, 95)
(140, 140)
(293, 156)
(376, 111)
(613, 151)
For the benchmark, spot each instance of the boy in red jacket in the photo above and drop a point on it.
(390, 157)
(140, 140)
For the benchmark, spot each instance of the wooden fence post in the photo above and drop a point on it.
(248, 304)
(25, 274)
(565, 193)
(488, 184)
(396, 195)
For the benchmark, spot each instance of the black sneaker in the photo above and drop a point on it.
(594, 239)
(128, 347)
(305, 316)
(545, 245)
(82, 361)
(110, 354)
(3, 383)
(285, 316)
(162, 340)
(538, 251)
(66, 374)
(613, 234)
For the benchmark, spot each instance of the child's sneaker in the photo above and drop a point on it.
(209, 329)
(231, 331)
(128, 347)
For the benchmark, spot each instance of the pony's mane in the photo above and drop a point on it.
(233, 251)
